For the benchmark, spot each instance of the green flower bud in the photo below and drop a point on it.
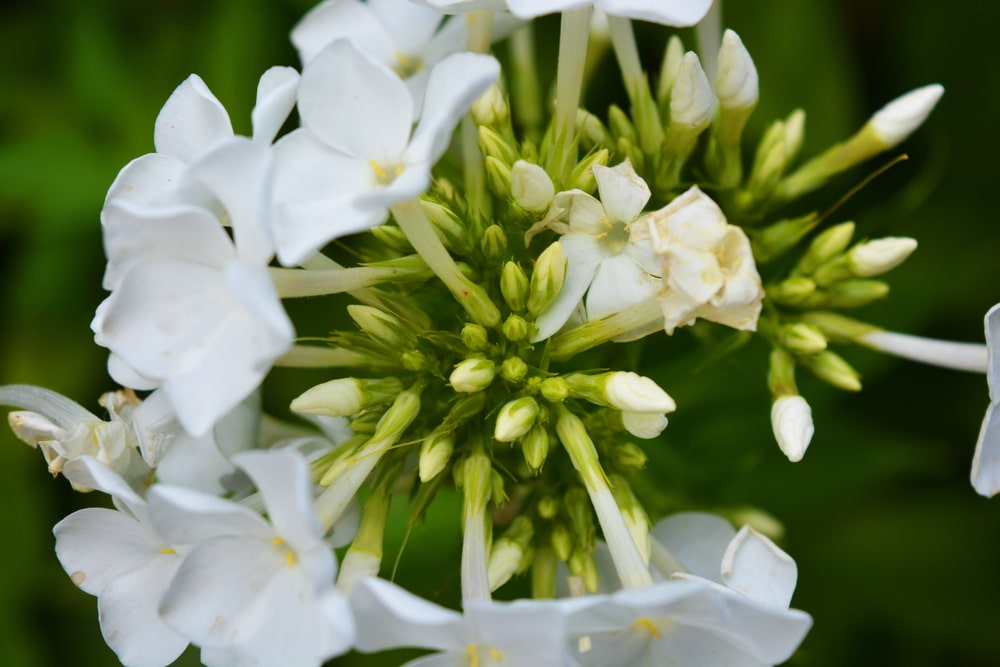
(491, 108)
(837, 327)
(462, 409)
(497, 147)
(498, 175)
(516, 329)
(548, 507)
(629, 457)
(400, 415)
(831, 368)
(582, 176)
(515, 419)
(535, 447)
(801, 338)
(472, 375)
(781, 373)
(543, 574)
(509, 552)
(850, 294)
(592, 130)
(452, 230)
(671, 64)
(435, 453)
(581, 515)
(346, 396)
(581, 564)
(547, 279)
(475, 337)
(379, 324)
(531, 187)
(562, 541)
(635, 516)
(494, 244)
(555, 389)
(393, 238)
(794, 291)
(497, 492)
(513, 369)
(416, 361)
(825, 247)
(778, 238)
(621, 126)
(514, 286)
(477, 482)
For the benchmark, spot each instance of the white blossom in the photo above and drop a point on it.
(356, 153)
(898, 119)
(791, 420)
(986, 462)
(604, 259)
(707, 264)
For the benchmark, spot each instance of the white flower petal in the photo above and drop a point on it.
(129, 620)
(185, 516)
(765, 633)
(454, 85)
(148, 179)
(92, 474)
(412, 27)
(992, 326)
(389, 616)
(618, 284)
(623, 193)
(986, 461)
(529, 9)
(678, 13)
(282, 478)
(356, 104)
(191, 120)
(276, 93)
(95, 546)
(342, 19)
(698, 540)
(754, 566)
(583, 256)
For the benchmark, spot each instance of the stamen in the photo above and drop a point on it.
(648, 624)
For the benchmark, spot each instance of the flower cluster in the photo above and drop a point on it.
(489, 244)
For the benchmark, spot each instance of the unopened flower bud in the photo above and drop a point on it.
(592, 130)
(629, 457)
(514, 286)
(513, 369)
(555, 389)
(645, 425)
(838, 327)
(621, 125)
(583, 565)
(509, 552)
(635, 516)
(497, 488)
(778, 238)
(562, 541)
(475, 337)
(692, 102)
(515, 419)
(399, 416)
(547, 279)
(516, 329)
(548, 507)
(415, 360)
(801, 338)
(379, 324)
(825, 247)
(875, 257)
(392, 237)
(535, 447)
(494, 244)
(472, 375)
(345, 396)
(531, 187)
(851, 294)
(831, 367)
(452, 230)
(781, 372)
(897, 120)
(491, 108)
(672, 57)
(791, 419)
(498, 175)
(793, 291)
(582, 176)
(581, 515)
(477, 481)
(736, 79)
(631, 392)
(435, 454)
(497, 147)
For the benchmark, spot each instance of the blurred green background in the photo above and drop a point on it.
(897, 555)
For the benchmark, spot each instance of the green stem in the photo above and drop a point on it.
(574, 33)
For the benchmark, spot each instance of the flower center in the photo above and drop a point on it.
(386, 173)
(616, 237)
(492, 655)
(647, 624)
(406, 66)
(289, 554)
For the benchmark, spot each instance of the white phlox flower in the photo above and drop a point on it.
(119, 557)
(487, 634)
(707, 265)
(357, 153)
(404, 36)
(254, 591)
(679, 13)
(65, 431)
(604, 259)
(986, 462)
(188, 310)
(729, 605)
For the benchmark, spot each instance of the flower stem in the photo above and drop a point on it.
(574, 32)
(634, 322)
(312, 356)
(420, 232)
